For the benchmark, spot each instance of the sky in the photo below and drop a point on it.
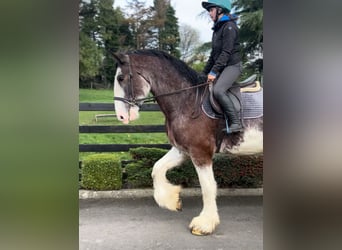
(187, 11)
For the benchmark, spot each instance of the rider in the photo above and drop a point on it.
(224, 65)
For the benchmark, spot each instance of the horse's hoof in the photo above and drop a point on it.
(197, 232)
(204, 225)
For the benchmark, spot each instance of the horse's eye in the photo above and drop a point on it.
(120, 78)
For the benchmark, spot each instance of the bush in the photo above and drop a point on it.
(138, 175)
(139, 172)
(101, 172)
(149, 155)
(230, 170)
(184, 175)
(238, 171)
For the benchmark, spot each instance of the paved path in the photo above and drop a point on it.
(139, 224)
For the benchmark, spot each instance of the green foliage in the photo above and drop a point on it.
(87, 13)
(238, 171)
(139, 172)
(102, 31)
(168, 35)
(138, 175)
(198, 66)
(148, 155)
(184, 175)
(89, 58)
(199, 58)
(109, 22)
(101, 172)
(138, 18)
(251, 32)
(229, 170)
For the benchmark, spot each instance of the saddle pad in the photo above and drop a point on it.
(253, 104)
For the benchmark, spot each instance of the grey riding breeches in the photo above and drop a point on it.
(226, 79)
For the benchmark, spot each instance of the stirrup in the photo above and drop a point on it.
(227, 130)
(230, 131)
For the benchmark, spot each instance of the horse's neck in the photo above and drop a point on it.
(171, 94)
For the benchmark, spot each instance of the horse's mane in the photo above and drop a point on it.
(184, 70)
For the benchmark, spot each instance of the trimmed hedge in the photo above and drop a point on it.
(101, 172)
(230, 170)
(238, 170)
(104, 171)
(139, 172)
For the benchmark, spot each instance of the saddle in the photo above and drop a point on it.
(246, 95)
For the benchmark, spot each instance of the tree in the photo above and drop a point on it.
(251, 31)
(189, 41)
(159, 16)
(103, 30)
(200, 57)
(169, 35)
(139, 19)
(108, 21)
(87, 22)
(90, 56)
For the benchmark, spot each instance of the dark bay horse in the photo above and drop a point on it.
(191, 133)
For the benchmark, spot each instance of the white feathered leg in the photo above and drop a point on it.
(208, 219)
(165, 194)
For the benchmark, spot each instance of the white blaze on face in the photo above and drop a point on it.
(121, 108)
(124, 112)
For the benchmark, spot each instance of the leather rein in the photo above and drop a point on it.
(138, 102)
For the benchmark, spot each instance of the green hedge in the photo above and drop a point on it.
(229, 170)
(104, 171)
(244, 171)
(138, 172)
(101, 172)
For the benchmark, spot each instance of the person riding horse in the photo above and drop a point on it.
(224, 64)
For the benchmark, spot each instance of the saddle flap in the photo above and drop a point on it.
(234, 95)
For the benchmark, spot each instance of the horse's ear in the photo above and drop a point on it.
(121, 58)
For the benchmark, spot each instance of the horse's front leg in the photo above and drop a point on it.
(165, 194)
(208, 219)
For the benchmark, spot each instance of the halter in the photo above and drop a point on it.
(132, 101)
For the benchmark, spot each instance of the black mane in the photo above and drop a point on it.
(191, 75)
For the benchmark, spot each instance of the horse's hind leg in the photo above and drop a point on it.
(165, 194)
(208, 219)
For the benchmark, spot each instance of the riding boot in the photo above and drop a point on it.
(231, 115)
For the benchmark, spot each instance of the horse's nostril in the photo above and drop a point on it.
(121, 117)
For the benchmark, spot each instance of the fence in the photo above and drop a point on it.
(118, 129)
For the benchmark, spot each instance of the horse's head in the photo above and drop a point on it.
(129, 87)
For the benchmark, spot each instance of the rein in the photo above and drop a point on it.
(138, 102)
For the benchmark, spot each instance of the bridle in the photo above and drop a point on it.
(132, 101)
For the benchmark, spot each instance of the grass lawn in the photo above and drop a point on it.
(96, 95)
(88, 118)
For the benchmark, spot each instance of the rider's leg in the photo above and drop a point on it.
(226, 79)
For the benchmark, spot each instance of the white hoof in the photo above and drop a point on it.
(204, 224)
(167, 197)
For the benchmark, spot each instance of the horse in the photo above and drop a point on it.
(191, 133)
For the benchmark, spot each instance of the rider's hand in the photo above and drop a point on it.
(211, 78)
